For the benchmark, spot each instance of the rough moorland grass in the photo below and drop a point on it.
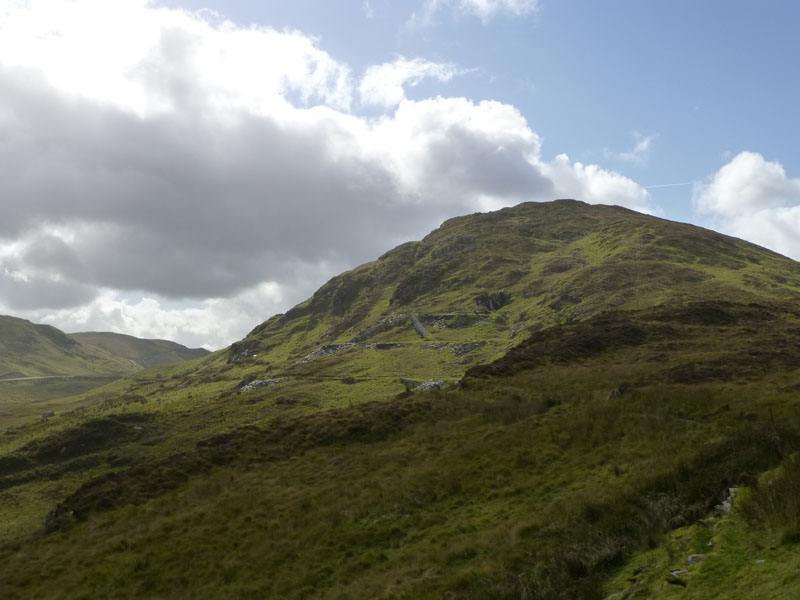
(452, 493)
(533, 482)
(773, 502)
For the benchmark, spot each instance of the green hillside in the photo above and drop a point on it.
(610, 376)
(480, 284)
(29, 350)
(143, 353)
(44, 371)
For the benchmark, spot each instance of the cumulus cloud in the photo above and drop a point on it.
(155, 153)
(753, 198)
(485, 10)
(383, 85)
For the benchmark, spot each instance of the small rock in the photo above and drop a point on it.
(693, 559)
(760, 561)
(423, 386)
(722, 510)
(432, 384)
(677, 572)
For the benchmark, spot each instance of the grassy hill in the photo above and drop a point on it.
(612, 376)
(43, 370)
(143, 353)
(30, 350)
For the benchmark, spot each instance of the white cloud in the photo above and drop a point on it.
(754, 199)
(155, 153)
(485, 10)
(600, 186)
(212, 323)
(150, 60)
(746, 184)
(641, 150)
(383, 85)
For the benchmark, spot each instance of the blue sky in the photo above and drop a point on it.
(186, 168)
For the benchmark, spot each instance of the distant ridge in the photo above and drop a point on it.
(143, 352)
(31, 350)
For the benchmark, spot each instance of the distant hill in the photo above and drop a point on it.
(30, 350)
(142, 352)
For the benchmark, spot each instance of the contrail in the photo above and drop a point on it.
(647, 187)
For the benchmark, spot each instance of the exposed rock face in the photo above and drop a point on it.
(457, 348)
(455, 320)
(240, 351)
(421, 323)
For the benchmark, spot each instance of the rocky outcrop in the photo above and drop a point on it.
(454, 320)
(333, 349)
(385, 324)
(457, 348)
(259, 383)
(423, 386)
(241, 351)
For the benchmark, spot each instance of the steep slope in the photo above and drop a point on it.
(613, 375)
(142, 352)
